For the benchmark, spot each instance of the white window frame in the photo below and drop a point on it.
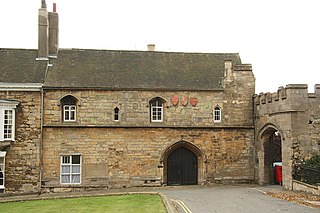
(70, 109)
(2, 168)
(217, 114)
(156, 109)
(7, 106)
(66, 162)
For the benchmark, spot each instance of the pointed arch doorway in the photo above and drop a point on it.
(182, 167)
(183, 164)
(269, 151)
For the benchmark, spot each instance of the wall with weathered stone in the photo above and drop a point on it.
(117, 157)
(97, 108)
(130, 151)
(294, 113)
(23, 159)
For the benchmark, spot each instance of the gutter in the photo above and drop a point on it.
(30, 87)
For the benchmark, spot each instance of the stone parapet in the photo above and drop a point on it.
(243, 67)
(291, 91)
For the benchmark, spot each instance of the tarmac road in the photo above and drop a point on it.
(231, 199)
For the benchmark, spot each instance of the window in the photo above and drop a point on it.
(217, 114)
(156, 110)
(7, 120)
(2, 169)
(69, 108)
(71, 169)
(116, 114)
(8, 124)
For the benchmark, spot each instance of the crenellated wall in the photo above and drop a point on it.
(294, 114)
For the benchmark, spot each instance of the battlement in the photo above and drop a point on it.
(291, 91)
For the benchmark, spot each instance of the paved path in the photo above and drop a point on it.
(197, 199)
(231, 199)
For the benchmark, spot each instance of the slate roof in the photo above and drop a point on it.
(140, 70)
(117, 70)
(21, 66)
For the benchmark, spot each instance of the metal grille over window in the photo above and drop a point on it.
(71, 169)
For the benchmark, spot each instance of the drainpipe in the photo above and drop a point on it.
(41, 140)
(41, 130)
(254, 139)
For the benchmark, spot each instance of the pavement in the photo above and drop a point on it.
(173, 197)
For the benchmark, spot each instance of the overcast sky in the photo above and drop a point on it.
(280, 38)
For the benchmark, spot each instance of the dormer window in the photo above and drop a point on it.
(69, 108)
(156, 110)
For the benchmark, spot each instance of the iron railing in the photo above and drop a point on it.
(307, 174)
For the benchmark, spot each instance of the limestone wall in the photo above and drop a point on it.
(117, 157)
(293, 112)
(97, 108)
(296, 113)
(23, 159)
(129, 152)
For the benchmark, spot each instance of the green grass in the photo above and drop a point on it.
(118, 204)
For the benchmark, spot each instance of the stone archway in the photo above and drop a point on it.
(190, 149)
(268, 154)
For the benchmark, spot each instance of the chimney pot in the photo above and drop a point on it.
(151, 47)
(54, 7)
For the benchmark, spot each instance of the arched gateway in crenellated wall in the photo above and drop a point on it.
(285, 122)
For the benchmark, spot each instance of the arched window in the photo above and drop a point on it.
(69, 108)
(116, 114)
(156, 110)
(217, 114)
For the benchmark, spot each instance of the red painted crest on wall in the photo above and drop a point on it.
(194, 101)
(184, 100)
(174, 100)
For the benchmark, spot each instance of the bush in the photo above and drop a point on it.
(314, 161)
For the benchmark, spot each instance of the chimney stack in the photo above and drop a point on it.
(151, 47)
(228, 70)
(43, 31)
(53, 32)
(47, 32)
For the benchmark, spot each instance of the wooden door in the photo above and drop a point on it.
(182, 167)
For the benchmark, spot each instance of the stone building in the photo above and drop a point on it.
(292, 115)
(75, 119)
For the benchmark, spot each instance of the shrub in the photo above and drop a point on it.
(314, 161)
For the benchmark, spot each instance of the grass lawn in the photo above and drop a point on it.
(118, 204)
